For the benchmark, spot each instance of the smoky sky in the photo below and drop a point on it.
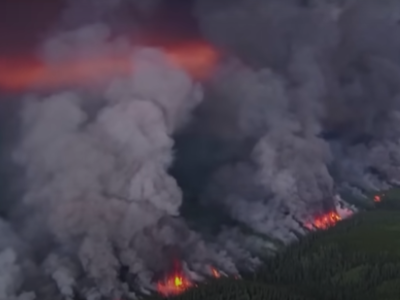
(25, 23)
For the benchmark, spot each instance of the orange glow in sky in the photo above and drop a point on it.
(23, 72)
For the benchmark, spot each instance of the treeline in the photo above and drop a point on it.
(355, 260)
(359, 259)
(231, 289)
(333, 273)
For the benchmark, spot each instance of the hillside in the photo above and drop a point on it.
(357, 259)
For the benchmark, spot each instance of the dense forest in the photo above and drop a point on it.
(359, 258)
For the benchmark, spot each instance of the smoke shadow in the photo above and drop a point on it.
(10, 188)
(198, 154)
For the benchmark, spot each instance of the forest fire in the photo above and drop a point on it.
(177, 282)
(22, 73)
(324, 221)
(174, 284)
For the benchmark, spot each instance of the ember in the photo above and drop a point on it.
(377, 198)
(22, 73)
(325, 221)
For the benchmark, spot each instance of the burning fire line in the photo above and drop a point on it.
(331, 218)
(23, 73)
(174, 284)
(177, 282)
(324, 221)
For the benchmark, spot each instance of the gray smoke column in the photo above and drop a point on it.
(288, 162)
(96, 175)
(13, 270)
(315, 99)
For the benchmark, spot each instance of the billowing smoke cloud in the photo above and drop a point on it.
(11, 274)
(288, 162)
(304, 106)
(318, 100)
(98, 176)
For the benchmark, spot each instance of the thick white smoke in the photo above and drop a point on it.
(99, 179)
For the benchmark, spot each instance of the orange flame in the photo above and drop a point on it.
(174, 284)
(23, 73)
(324, 221)
(177, 283)
(215, 272)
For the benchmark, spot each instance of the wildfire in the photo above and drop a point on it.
(324, 221)
(177, 282)
(22, 73)
(174, 284)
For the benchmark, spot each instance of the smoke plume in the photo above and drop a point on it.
(324, 115)
(122, 176)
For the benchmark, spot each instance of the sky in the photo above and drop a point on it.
(23, 23)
